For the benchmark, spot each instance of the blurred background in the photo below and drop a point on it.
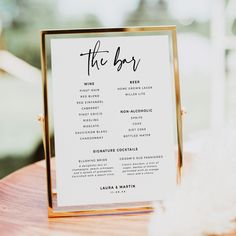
(206, 44)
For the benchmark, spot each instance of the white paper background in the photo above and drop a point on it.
(69, 72)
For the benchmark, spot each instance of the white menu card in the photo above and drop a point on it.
(114, 119)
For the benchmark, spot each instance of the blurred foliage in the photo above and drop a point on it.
(23, 19)
(157, 14)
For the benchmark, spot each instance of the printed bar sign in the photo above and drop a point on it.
(114, 118)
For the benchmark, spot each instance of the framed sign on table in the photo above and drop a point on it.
(112, 118)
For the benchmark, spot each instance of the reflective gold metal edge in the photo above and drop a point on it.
(109, 30)
(172, 29)
(130, 211)
(45, 117)
(178, 107)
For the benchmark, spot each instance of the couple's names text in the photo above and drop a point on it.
(97, 58)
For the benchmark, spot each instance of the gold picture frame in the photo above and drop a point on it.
(53, 210)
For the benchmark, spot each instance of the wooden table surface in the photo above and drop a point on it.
(23, 211)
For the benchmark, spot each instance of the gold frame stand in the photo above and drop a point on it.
(44, 120)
